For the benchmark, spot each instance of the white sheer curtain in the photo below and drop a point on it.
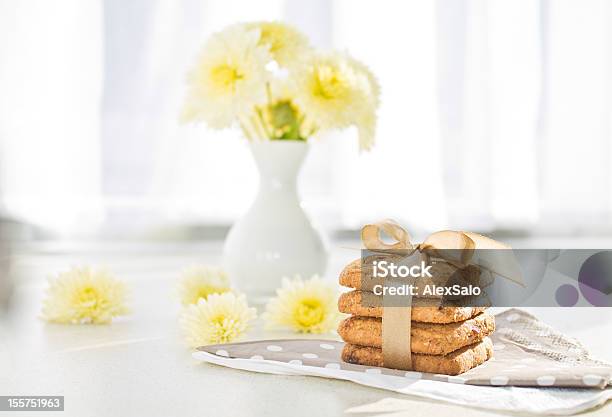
(495, 114)
(490, 92)
(526, 111)
(575, 175)
(50, 87)
(156, 170)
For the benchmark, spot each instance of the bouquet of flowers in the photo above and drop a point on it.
(265, 78)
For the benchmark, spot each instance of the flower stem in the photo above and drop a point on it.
(263, 123)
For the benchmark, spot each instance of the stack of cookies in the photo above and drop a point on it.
(444, 339)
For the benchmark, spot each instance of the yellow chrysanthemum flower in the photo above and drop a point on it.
(286, 44)
(229, 78)
(366, 123)
(201, 281)
(219, 319)
(83, 296)
(304, 306)
(336, 92)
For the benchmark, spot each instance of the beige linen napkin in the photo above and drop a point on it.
(527, 353)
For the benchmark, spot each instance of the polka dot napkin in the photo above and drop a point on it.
(526, 353)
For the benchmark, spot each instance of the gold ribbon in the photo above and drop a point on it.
(455, 247)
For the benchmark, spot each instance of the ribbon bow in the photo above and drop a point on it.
(458, 249)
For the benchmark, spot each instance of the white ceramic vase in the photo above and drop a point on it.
(274, 238)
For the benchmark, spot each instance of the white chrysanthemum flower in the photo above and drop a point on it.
(229, 78)
(200, 281)
(219, 319)
(336, 92)
(83, 296)
(286, 44)
(304, 306)
(366, 123)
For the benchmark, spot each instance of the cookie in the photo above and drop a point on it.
(453, 363)
(443, 274)
(427, 338)
(363, 303)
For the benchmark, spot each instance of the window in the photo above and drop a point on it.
(495, 114)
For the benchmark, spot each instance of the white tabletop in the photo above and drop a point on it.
(140, 366)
